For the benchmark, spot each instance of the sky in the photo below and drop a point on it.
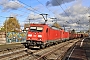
(73, 14)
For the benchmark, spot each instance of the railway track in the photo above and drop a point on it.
(15, 52)
(55, 52)
(9, 50)
(81, 50)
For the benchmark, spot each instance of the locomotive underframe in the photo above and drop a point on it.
(44, 44)
(33, 43)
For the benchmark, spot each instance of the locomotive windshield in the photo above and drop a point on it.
(36, 29)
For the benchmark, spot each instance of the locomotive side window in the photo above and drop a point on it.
(36, 29)
(27, 28)
(32, 29)
(39, 29)
(47, 30)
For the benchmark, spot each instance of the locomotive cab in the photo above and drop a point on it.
(37, 35)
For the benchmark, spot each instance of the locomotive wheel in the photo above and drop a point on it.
(42, 46)
(47, 45)
(56, 43)
(26, 46)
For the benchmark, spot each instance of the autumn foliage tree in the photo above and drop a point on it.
(12, 25)
(73, 31)
(56, 25)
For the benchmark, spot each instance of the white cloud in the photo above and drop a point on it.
(34, 16)
(33, 8)
(13, 4)
(75, 13)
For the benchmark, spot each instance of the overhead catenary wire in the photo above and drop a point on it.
(84, 13)
(17, 13)
(51, 11)
(67, 9)
(46, 7)
(63, 10)
(30, 7)
(36, 11)
(33, 10)
(82, 16)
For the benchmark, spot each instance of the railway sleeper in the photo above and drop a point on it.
(19, 57)
(10, 53)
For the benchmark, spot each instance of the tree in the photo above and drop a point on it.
(87, 31)
(2, 29)
(73, 31)
(56, 25)
(12, 25)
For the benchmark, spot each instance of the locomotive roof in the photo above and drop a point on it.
(37, 24)
(49, 26)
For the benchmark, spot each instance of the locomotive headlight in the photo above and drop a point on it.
(39, 35)
(40, 39)
(29, 35)
(28, 38)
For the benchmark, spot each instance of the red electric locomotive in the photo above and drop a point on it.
(42, 35)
